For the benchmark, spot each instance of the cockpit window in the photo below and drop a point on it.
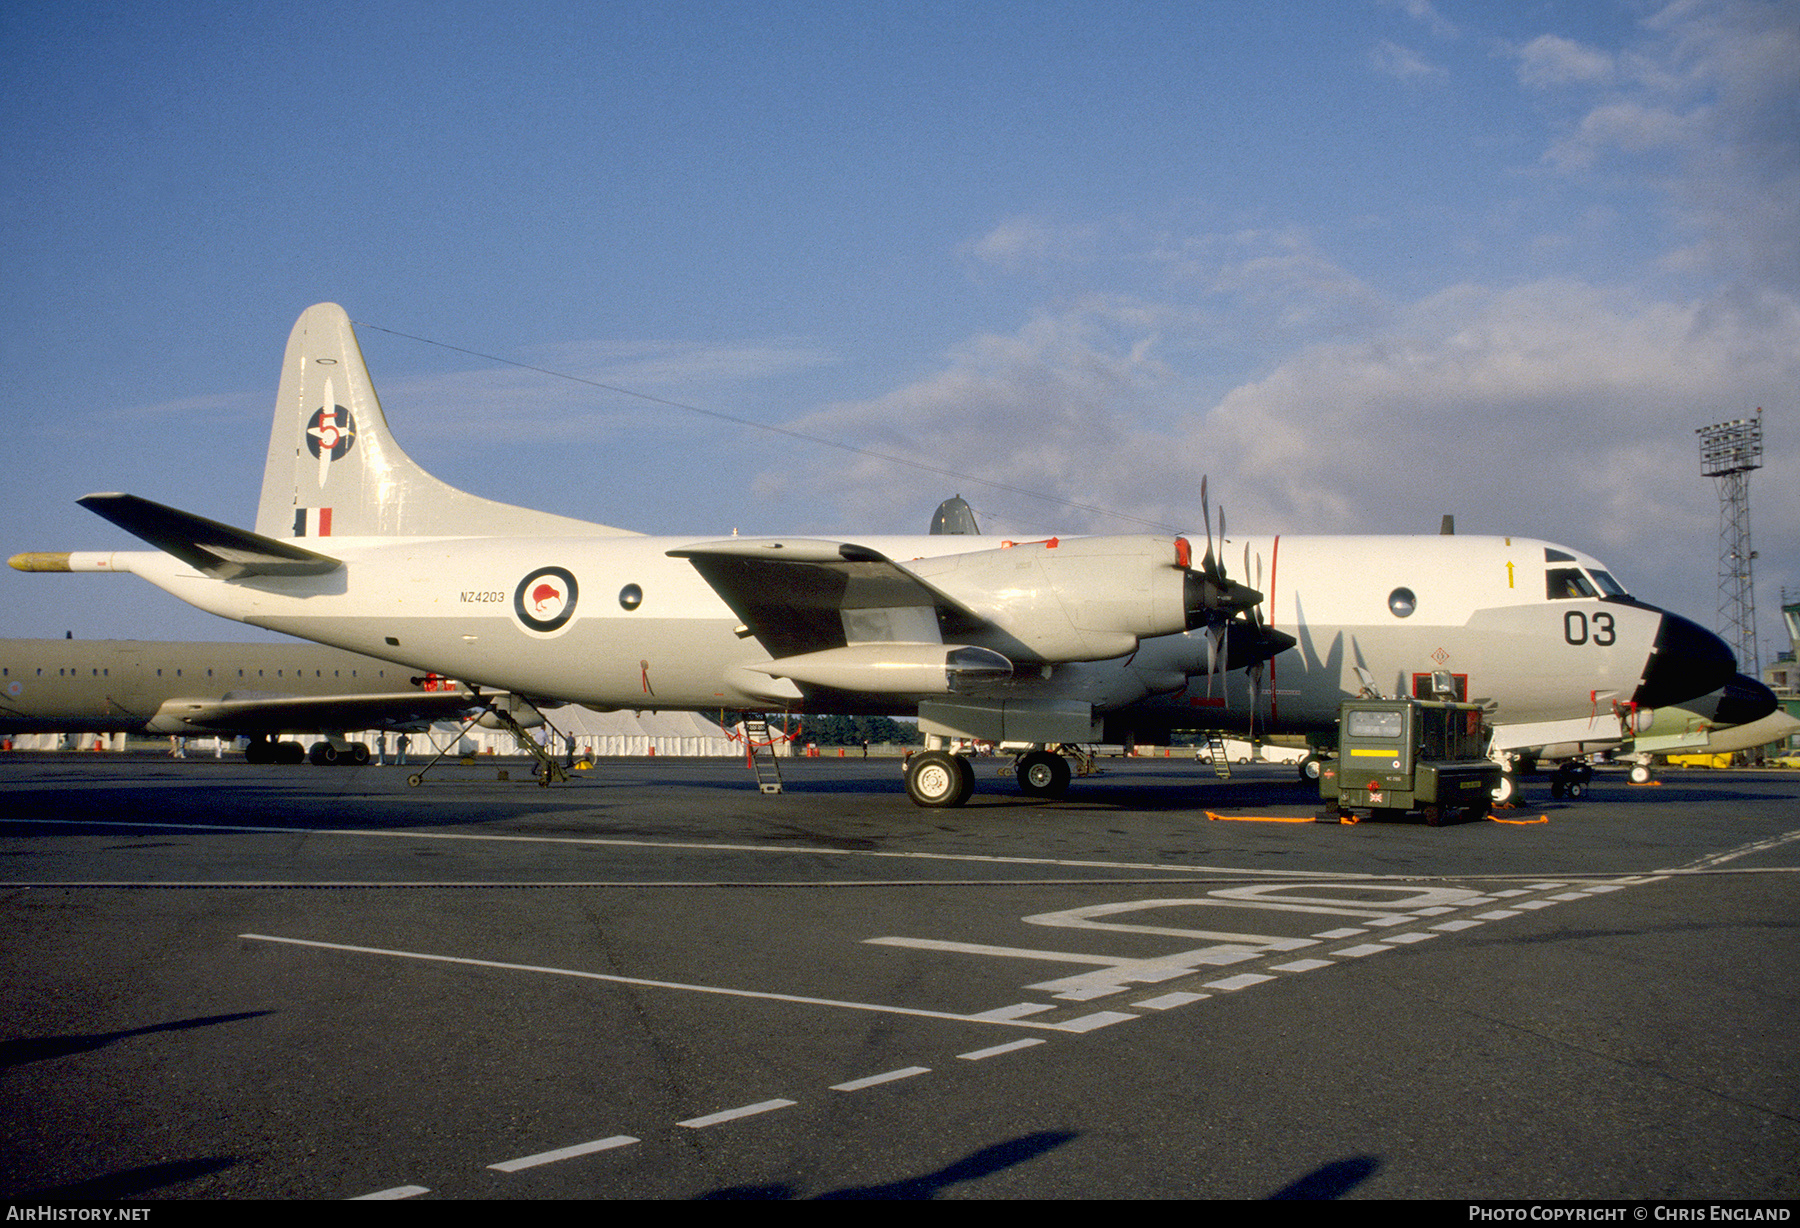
(1563, 583)
(1608, 585)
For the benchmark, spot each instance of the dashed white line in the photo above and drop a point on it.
(1099, 1019)
(1450, 927)
(856, 1085)
(1169, 1001)
(1499, 914)
(1241, 981)
(1412, 936)
(724, 1115)
(398, 1192)
(1367, 948)
(1534, 905)
(1302, 965)
(1343, 933)
(564, 1153)
(996, 1050)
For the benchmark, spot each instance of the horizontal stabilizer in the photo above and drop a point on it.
(274, 714)
(213, 549)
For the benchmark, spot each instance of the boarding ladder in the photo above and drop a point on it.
(1215, 746)
(549, 770)
(759, 752)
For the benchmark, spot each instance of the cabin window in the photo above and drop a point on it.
(1402, 602)
(1566, 583)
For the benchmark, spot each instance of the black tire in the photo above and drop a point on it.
(938, 780)
(1309, 769)
(415, 780)
(1042, 774)
(259, 751)
(359, 754)
(324, 754)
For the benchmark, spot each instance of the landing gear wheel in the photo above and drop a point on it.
(939, 780)
(1309, 768)
(1042, 774)
(359, 754)
(1640, 774)
(1507, 789)
(323, 753)
(259, 751)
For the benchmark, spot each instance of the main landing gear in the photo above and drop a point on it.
(940, 779)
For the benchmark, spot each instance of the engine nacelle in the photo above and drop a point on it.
(889, 668)
(1081, 599)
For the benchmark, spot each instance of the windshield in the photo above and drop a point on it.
(1562, 583)
(1608, 585)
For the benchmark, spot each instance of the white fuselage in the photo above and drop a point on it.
(1475, 608)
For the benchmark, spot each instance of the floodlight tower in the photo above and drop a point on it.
(1728, 452)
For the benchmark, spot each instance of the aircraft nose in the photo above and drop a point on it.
(1745, 700)
(1687, 661)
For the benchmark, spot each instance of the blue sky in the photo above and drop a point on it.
(1362, 263)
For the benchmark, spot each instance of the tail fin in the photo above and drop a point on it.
(334, 469)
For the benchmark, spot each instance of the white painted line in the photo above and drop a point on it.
(1478, 901)
(1435, 912)
(1343, 933)
(1450, 927)
(1169, 1001)
(564, 1153)
(1241, 981)
(1017, 1010)
(1534, 905)
(1367, 948)
(1099, 1019)
(398, 1192)
(982, 1054)
(1545, 886)
(1510, 892)
(1742, 850)
(856, 1085)
(1499, 914)
(798, 999)
(748, 1110)
(681, 846)
(1414, 936)
(1301, 965)
(1570, 895)
(1603, 888)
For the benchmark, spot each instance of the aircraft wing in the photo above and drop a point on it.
(800, 596)
(254, 714)
(213, 549)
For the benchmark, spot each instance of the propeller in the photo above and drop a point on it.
(1217, 602)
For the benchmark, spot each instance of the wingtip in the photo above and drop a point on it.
(40, 560)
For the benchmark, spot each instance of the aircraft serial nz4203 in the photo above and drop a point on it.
(1051, 643)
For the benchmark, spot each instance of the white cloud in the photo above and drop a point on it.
(1707, 109)
(1549, 60)
(1392, 60)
